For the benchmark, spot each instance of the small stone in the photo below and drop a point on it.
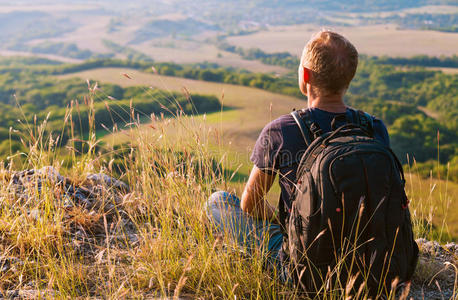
(421, 241)
(104, 179)
(450, 247)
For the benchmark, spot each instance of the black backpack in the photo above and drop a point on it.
(349, 227)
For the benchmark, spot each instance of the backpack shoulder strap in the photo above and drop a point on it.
(302, 127)
(309, 129)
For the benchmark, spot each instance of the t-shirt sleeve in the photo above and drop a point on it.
(267, 148)
(381, 133)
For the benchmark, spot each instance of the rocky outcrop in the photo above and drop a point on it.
(436, 273)
(92, 208)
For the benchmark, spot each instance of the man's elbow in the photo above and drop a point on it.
(245, 204)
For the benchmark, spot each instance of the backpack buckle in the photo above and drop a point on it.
(406, 205)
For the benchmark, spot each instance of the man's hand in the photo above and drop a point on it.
(253, 197)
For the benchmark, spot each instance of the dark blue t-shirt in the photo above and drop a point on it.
(280, 146)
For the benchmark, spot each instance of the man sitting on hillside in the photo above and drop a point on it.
(328, 64)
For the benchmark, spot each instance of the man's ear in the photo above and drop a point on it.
(306, 75)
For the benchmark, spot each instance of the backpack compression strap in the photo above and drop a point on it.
(309, 129)
(363, 119)
(366, 122)
(357, 117)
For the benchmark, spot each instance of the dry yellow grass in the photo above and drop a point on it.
(433, 202)
(373, 40)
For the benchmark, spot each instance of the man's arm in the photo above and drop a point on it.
(253, 197)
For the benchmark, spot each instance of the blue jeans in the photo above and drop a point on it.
(223, 209)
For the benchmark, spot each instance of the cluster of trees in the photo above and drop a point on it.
(22, 61)
(93, 64)
(418, 60)
(201, 71)
(70, 50)
(439, 22)
(214, 73)
(130, 53)
(284, 59)
(401, 99)
(163, 28)
(29, 96)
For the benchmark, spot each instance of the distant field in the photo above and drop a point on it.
(372, 40)
(446, 70)
(194, 51)
(94, 29)
(90, 36)
(87, 36)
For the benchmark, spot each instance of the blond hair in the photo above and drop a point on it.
(332, 60)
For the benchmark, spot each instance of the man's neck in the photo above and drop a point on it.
(330, 104)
